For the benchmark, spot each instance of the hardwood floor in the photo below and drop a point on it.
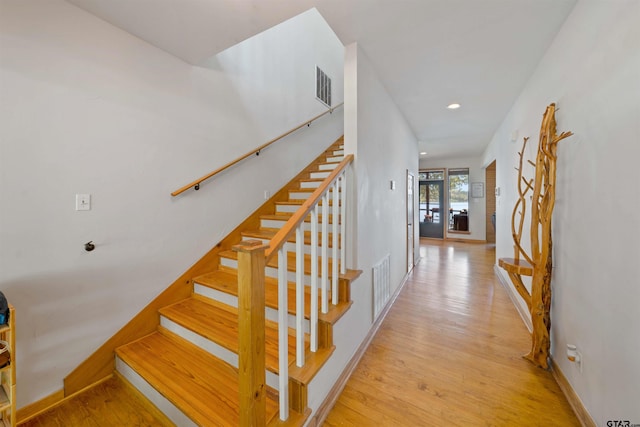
(449, 353)
(111, 403)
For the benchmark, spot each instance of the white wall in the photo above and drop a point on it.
(88, 108)
(283, 61)
(592, 72)
(477, 212)
(385, 148)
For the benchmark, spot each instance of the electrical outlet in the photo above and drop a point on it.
(83, 202)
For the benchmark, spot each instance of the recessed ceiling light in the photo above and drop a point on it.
(453, 106)
(423, 153)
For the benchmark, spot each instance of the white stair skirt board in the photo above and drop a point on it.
(211, 347)
(161, 402)
(231, 300)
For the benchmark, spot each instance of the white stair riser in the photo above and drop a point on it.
(304, 195)
(211, 347)
(321, 175)
(270, 313)
(291, 246)
(287, 208)
(327, 166)
(338, 152)
(272, 272)
(161, 402)
(294, 208)
(335, 158)
(310, 184)
(278, 224)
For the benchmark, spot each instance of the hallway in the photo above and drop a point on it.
(449, 353)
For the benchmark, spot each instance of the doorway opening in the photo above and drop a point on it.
(490, 180)
(410, 220)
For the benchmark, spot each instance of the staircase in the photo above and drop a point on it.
(190, 364)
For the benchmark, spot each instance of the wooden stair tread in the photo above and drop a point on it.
(295, 419)
(516, 266)
(219, 323)
(199, 384)
(312, 364)
(227, 282)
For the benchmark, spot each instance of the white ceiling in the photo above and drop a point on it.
(428, 53)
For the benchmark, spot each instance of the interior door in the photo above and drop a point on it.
(410, 220)
(432, 210)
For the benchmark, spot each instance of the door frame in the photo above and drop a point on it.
(411, 219)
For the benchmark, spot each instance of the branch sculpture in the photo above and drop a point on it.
(536, 263)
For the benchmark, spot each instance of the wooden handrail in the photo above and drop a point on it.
(283, 234)
(196, 184)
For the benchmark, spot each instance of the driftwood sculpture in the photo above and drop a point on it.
(536, 263)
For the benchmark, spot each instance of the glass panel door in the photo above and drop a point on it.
(432, 217)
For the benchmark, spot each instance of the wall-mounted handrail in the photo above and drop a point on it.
(196, 184)
(283, 234)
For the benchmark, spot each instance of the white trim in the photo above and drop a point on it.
(515, 298)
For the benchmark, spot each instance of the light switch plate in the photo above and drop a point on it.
(83, 202)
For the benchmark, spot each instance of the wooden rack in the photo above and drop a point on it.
(8, 374)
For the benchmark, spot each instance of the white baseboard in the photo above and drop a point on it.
(515, 299)
(572, 397)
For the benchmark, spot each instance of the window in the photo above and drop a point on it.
(431, 176)
(459, 199)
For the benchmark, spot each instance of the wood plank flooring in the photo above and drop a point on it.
(449, 354)
(111, 403)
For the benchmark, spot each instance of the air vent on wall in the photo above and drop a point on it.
(323, 87)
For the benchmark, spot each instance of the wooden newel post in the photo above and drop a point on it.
(251, 355)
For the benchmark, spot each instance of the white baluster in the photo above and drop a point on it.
(334, 250)
(325, 252)
(299, 296)
(314, 279)
(343, 223)
(283, 335)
